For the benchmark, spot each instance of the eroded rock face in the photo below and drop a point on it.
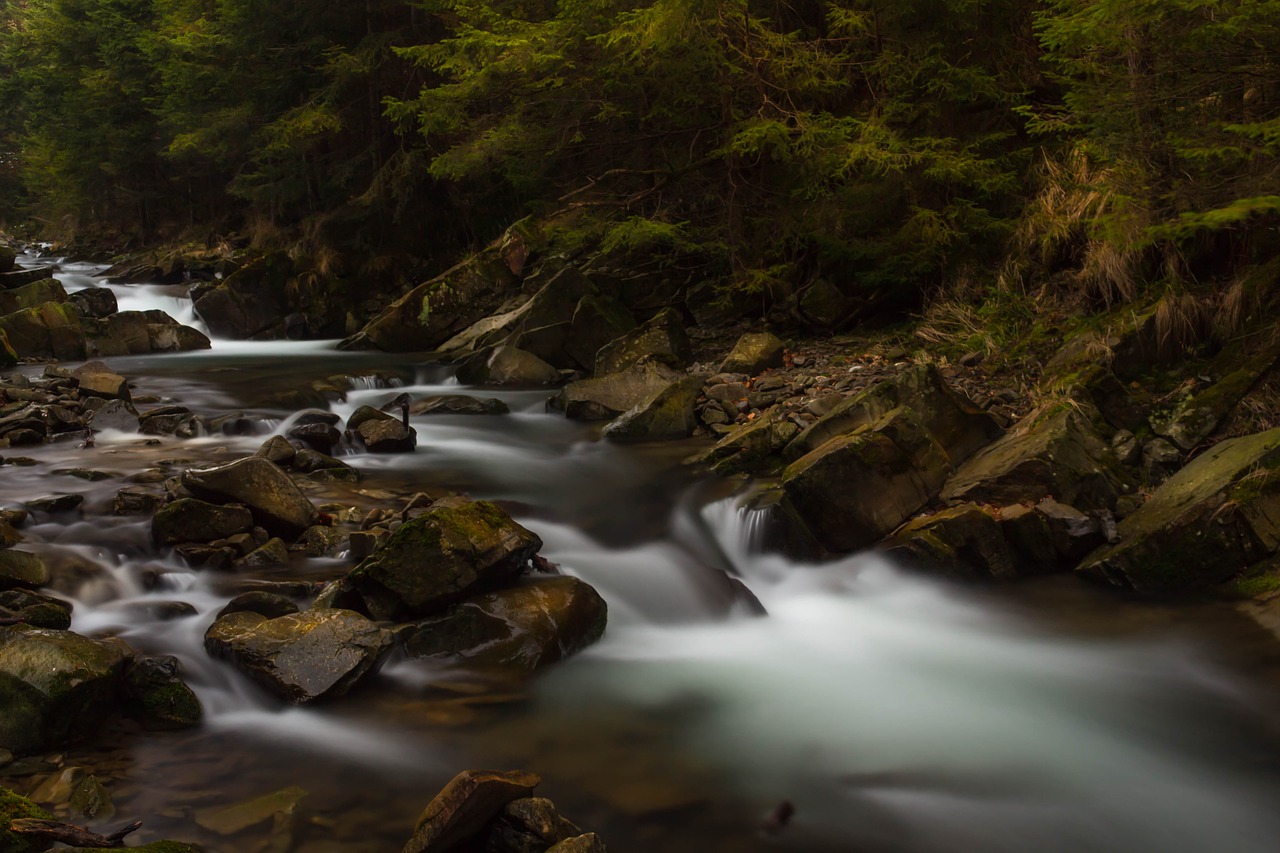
(526, 626)
(1213, 519)
(55, 686)
(301, 657)
(455, 549)
(275, 501)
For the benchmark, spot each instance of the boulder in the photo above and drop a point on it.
(191, 520)
(542, 327)
(169, 420)
(135, 500)
(456, 549)
(965, 541)
(1049, 536)
(278, 451)
(48, 331)
(855, 489)
(301, 657)
(954, 420)
(507, 365)
(22, 569)
(35, 609)
(752, 448)
(662, 339)
(606, 397)
(318, 436)
(1212, 520)
(124, 333)
(251, 301)
(458, 404)
(55, 686)
(309, 461)
(117, 415)
(382, 433)
(174, 337)
(530, 823)
(97, 380)
(465, 806)
(271, 553)
(533, 624)
(19, 277)
(1052, 452)
(95, 302)
(31, 296)
(270, 605)
(157, 695)
(822, 305)
(597, 320)
(669, 414)
(275, 501)
(755, 353)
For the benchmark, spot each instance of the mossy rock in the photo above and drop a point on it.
(753, 448)
(158, 695)
(965, 541)
(670, 414)
(16, 807)
(1211, 521)
(663, 339)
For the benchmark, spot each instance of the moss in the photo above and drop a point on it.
(14, 807)
(1253, 586)
(153, 847)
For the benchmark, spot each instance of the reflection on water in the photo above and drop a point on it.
(897, 713)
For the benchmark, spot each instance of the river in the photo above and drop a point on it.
(896, 712)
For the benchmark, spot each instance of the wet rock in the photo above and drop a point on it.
(215, 557)
(527, 824)
(308, 461)
(35, 609)
(855, 489)
(1053, 452)
(542, 326)
(159, 697)
(536, 623)
(301, 657)
(458, 404)
(278, 807)
(275, 501)
(318, 436)
(49, 331)
(1212, 520)
(56, 503)
(116, 415)
(465, 806)
(321, 541)
(670, 414)
(455, 549)
(191, 520)
(9, 535)
(755, 353)
(22, 569)
(387, 435)
(169, 420)
(964, 541)
(586, 843)
(1049, 536)
(278, 451)
(96, 302)
(250, 302)
(173, 337)
(273, 553)
(134, 500)
(362, 543)
(507, 365)
(18, 277)
(754, 447)
(954, 420)
(267, 604)
(607, 397)
(31, 295)
(55, 686)
(662, 339)
(15, 807)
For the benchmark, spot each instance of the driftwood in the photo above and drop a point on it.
(70, 834)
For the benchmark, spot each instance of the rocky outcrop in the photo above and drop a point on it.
(455, 549)
(607, 397)
(1211, 521)
(1053, 452)
(55, 686)
(532, 624)
(275, 501)
(302, 657)
(251, 301)
(753, 447)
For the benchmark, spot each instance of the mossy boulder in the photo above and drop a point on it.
(22, 569)
(275, 501)
(191, 520)
(857, 488)
(455, 549)
(755, 353)
(251, 301)
(1212, 520)
(17, 807)
(1197, 416)
(48, 331)
(661, 339)
(752, 448)
(302, 657)
(607, 397)
(465, 806)
(35, 609)
(157, 695)
(32, 295)
(1053, 452)
(954, 420)
(1049, 536)
(669, 414)
(55, 686)
(532, 624)
(964, 542)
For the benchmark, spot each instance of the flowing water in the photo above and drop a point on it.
(896, 712)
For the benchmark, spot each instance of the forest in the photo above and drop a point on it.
(1122, 149)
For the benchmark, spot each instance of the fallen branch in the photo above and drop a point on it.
(70, 834)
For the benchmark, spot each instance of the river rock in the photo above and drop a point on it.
(507, 365)
(278, 451)
(117, 415)
(8, 256)
(301, 657)
(533, 624)
(964, 541)
(31, 296)
(1049, 536)
(387, 435)
(662, 339)
(607, 397)
(597, 321)
(135, 500)
(856, 488)
(16, 807)
(95, 302)
(458, 404)
(275, 501)
(251, 301)
(272, 553)
(35, 609)
(191, 520)
(318, 436)
(1212, 520)
(22, 569)
(174, 337)
(309, 461)
(271, 605)
(669, 414)
(754, 447)
(954, 420)
(123, 333)
(542, 327)
(755, 353)
(159, 697)
(49, 331)
(1052, 452)
(465, 806)
(97, 380)
(588, 842)
(55, 686)
(456, 549)
(19, 277)
(529, 823)
(169, 420)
